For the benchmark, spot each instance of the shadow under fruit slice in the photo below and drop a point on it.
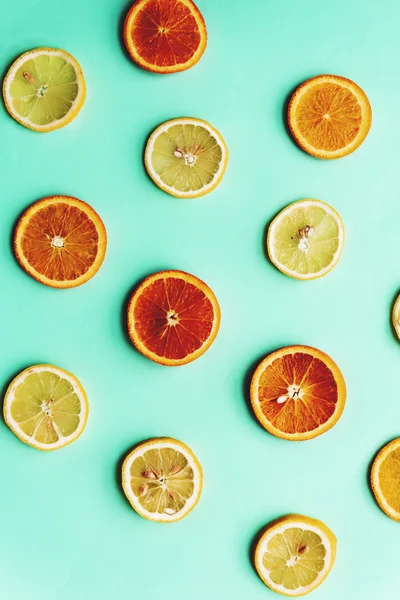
(173, 317)
(306, 239)
(385, 479)
(297, 393)
(329, 116)
(162, 479)
(46, 407)
(44, 89)
(165, 36)
(295, 554)
(60, 241)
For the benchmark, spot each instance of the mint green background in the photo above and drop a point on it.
(66, 530)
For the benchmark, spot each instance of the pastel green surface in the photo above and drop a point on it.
(66, 529)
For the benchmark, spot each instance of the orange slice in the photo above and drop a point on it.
(60, 241)
(297, 393)
(173, 318)
(385, 479)
(329, 116)
(165, 36)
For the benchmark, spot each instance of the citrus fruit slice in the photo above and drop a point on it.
(60, 241)
(396, 316)
(385, 479)
(297, 393)
(186, 157)
(329, 116)
(306, 239)
(44, 89)
(295, 554)
(173, 317)
(46, 407)
(165, 36)
(162, 479)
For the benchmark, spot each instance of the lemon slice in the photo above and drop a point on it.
(295, 554)
(46, 407)
(306, 239)
(396, 316)
(186, 157)
(385, 479)
(44, 89)
(162, 479)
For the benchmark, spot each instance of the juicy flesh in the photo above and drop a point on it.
(165, 33)
(44, 89)
(60, 242)
(297, 393)
(306, 239)
(173, 318)
(294, 558)
(328, 116)
(162, 480)
(389, 479)
(186, 157)
(46, 407)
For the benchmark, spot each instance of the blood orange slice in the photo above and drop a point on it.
(173, 318)
(165, 36)
(60, 241)
(298, 393)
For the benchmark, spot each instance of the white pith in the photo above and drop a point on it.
(185, 121)
(197, 479)
(32, 55)
(10, 396)
(276, 223)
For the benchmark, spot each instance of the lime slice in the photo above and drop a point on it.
(295, 554)
(186, 158)
(162, 479)
(306, 239)
(44, 89)
(46, 407)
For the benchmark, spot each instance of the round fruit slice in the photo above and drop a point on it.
(297, 393)
(60, 241)
(165, 36)
(385, 479)
(186, 158)
(295, 554)
(46, 407)
(306, 239)
(162, 479)
(44, 89)
(396, 316)
(329, 116)
(173, 318)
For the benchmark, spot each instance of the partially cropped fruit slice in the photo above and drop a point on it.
(396, 316)
(173, 317)
(298, 393)
(46, 407)
(44, 89)
(186, 157)
(60, 241)
(306, 239)
(162, 479)
(329, 116)
(165, 36)
(295, 554)
(385, 479)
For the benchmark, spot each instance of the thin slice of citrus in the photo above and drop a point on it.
(298, 393)
(165, 36)
(329, 116)
(60, 241)
(173, 318)
(162, 479)
(306, 239)
(385, 479)
(396, 316)
(295, 554)
(44, 89)
(186, 157)
(46, 407)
